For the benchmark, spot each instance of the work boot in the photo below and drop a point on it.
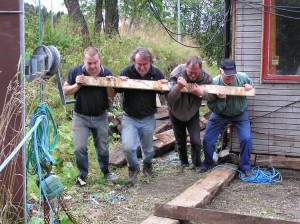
(249, 173)
(201, 169)
(147, 169)
(183, 166)
(132, 174)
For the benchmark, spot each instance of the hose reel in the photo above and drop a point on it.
(44, 63)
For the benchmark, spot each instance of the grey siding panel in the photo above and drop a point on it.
(255, 21)
(275, 110)
(244, 52)
(248, 45)
(248, 34)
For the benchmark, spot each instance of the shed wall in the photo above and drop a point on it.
(275, 110)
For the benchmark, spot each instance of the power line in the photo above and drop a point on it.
(250, 4)
(169, 32)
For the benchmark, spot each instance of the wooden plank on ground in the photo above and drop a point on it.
(162, 113)
(283, 162)
(117, 158)
(207, 216)
(159, 220)
(203, 191)
(164, 142)
(158, 86)
(162, 125)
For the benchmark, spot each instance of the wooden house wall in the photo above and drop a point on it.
(275, 110)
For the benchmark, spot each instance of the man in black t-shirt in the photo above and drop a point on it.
(139, 108)
(89, 114)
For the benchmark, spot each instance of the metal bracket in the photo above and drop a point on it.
(61, 93)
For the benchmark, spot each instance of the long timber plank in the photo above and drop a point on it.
(207, 216)
(200, 193)
(158, 86)
(204, 190)
(159, 220)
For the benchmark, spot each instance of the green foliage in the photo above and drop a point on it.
(114, 55)
(204, 22)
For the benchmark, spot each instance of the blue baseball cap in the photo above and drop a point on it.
(228, 66)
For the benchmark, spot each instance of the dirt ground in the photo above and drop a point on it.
(133, 204)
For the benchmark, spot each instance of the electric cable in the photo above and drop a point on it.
(169, 32)
(248, 3)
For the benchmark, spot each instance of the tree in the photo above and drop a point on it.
(201, 21)
(204, 21)
(111, 17)
(76, 15)
(98, 16)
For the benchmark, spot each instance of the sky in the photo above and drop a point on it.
(58, 5)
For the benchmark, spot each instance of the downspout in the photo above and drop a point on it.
(22, 84)
(227, 29)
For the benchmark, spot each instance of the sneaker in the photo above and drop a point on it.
(81, 181)
(201, 169)
(147, 170)
(132, 174)
(110, 177)
(249, 173)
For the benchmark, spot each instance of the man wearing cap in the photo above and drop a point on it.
(231, 109)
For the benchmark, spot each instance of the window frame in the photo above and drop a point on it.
(266, 49)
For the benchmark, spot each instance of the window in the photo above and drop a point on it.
(281, 41)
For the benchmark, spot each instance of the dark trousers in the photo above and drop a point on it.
(193, 127)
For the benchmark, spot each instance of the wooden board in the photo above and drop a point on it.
(162, 113)
(162, 125)
(117, 158)
(203, 191)
(282, 162)
(163, 142)
(159, 220)
(158, 86)
(207, 216)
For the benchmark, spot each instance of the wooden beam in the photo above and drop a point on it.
(203, 191)
(159, 220)
(207, 216)
(280, 161)
(158, 86)
(162, 143)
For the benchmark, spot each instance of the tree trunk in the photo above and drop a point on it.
(111, 17)
(76, 15)
(98, 16)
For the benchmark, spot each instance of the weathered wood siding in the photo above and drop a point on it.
(275, 110)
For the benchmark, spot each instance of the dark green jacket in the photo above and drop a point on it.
(231, 105)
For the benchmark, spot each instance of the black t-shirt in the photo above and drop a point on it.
(140, 103)
(90, 100)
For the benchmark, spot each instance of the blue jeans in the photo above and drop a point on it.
(214, 127)
(82, 126)
(132, 128)
(193, 127)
